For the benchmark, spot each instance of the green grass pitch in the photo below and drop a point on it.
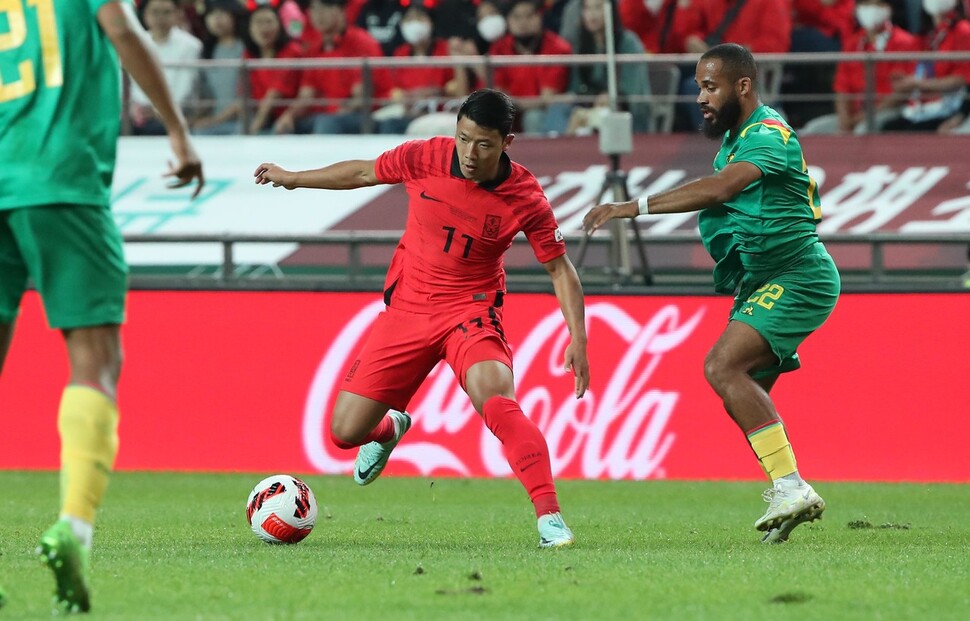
(177, 546)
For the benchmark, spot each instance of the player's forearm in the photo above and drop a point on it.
(142, 65)
(346, 175)
(692, 196)
(569, 292)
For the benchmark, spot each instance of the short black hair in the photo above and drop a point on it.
(489, 108)
(736, 61)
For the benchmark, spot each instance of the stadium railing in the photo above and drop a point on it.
(358, 261)
(771, 66)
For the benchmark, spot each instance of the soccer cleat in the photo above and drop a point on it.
(373, 456)
(61, 550)
(788, 506)
(553, 532)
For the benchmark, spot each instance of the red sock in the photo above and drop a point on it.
(382, 433)
(525, 448)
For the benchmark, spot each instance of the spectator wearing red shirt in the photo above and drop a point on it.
(418, 89)
(344, 111)
(661, 25)
(533, 87)
(821, 25)
(762, 26)
(937, 90)
(265, 38)
(875, 33)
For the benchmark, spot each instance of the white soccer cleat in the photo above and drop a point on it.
(373, 456)
(789, 504)
(553, 532)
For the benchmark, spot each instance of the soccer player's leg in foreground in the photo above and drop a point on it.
(490, 386)
(739, 351)
(88, 425)
(373, 426)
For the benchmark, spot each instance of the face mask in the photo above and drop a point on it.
(871, 17)
(939, 7)
(415, 31)
(491, 27)
(653, 6)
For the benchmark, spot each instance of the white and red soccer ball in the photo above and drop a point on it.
(281, 509)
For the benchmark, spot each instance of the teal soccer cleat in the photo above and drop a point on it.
(553, 532)
(373, 456)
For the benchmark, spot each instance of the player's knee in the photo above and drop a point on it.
(343, 433)
(716, 372)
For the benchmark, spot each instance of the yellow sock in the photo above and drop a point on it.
(88, 424)
(770, 444)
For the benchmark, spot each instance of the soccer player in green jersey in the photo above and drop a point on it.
(758, 214)
(60, 110)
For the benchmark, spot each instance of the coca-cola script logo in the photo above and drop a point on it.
(619, 430)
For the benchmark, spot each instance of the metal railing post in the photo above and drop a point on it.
(228, 266)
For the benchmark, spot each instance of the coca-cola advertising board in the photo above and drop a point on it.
(245, 381)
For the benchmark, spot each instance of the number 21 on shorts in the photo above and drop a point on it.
(16, 36)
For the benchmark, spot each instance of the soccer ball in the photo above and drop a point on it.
(281, 509)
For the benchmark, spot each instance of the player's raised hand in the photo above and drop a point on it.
(601, 214)
(577, 362)
(268, 172)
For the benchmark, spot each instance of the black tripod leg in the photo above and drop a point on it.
(622, 190)
(585, 241)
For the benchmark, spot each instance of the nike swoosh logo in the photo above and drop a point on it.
(363, 474)
(430, 198)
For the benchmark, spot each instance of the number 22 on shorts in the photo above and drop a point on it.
(766, 296)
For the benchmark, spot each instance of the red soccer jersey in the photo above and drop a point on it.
(529, 80)
(410, 78)
(458, 231)
(651, 28)
(762, 26)
(850, 76)
(951, 35)
(284, 81)
(339, 83)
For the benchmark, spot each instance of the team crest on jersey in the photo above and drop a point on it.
(557, 235)
(492, 226)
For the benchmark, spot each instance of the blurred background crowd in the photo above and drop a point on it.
(429, 37)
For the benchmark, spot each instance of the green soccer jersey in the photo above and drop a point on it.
(60, 104)
(772, 221)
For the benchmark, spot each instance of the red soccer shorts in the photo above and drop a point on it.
(403, 348)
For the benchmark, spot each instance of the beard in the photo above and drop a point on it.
(722, 120)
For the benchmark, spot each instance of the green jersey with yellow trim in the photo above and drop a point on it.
(771, 222)
(60, 104)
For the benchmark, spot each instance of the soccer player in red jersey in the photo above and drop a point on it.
(444, 293)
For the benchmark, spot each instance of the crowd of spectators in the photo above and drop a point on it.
(554, 99)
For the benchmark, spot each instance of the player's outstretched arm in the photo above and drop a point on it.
(346, 175)
(569, 292)
(693, 196)
(120, 25)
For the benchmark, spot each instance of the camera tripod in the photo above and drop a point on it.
(619, 252)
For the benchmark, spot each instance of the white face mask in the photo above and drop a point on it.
(653, 6)
(939, 7)
(415, 30)
(491, 27)
(871, 17)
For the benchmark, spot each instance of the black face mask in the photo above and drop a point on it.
(530, 42)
